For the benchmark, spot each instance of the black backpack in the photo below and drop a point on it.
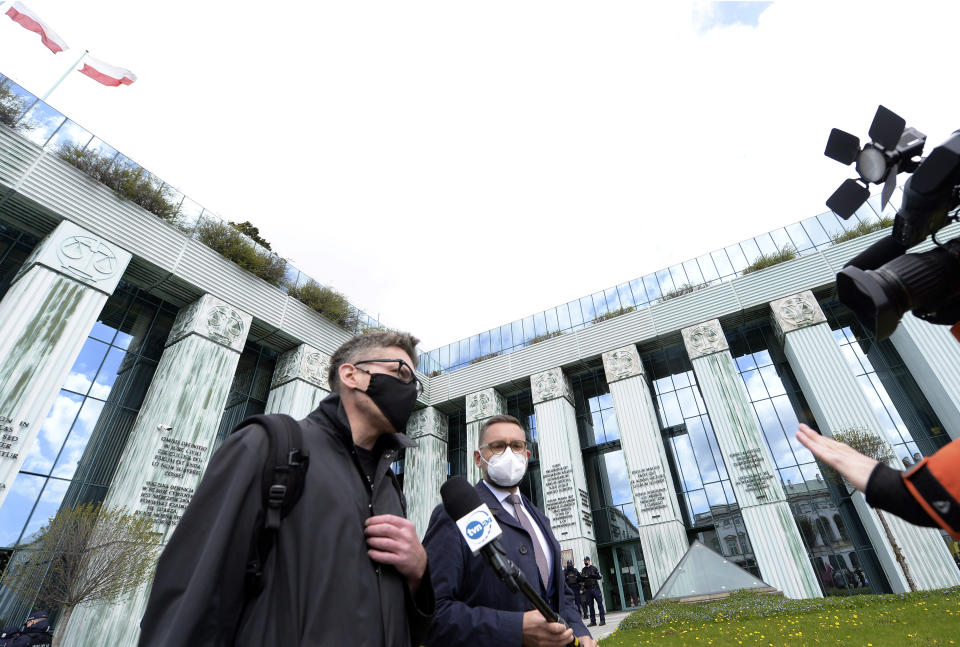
(284, 472)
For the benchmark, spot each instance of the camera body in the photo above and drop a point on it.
(884, 282)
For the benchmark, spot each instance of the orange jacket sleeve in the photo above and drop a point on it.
(935, 484)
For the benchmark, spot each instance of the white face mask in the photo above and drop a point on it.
(506, 469)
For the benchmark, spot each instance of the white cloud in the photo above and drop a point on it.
(454, 167)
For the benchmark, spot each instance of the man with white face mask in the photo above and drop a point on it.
(473, 607)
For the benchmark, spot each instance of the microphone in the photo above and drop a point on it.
(481, 532)
(881, 252)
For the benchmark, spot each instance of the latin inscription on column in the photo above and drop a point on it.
(165, 502)
(558, 491)
(753, 477)
(10, 433)
(649, 487)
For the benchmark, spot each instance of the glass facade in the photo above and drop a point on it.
(80, 442)
(250, 388)
(15, 247)
(804, 237)
(836, 542)
(710, 509)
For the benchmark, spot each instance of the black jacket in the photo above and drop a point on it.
(591, 577)
(473, 606)
(320, 587)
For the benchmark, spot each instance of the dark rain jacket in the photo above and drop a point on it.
(320, 587)
(35, 634)
(926, 495)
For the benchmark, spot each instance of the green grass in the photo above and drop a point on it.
(925, 618)
(862, 229)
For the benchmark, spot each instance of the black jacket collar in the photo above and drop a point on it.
(332, 416)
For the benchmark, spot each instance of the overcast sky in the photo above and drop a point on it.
(454, 166)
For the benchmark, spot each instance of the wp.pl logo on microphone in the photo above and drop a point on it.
(478, 528)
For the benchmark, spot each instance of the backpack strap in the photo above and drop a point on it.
(284, 472)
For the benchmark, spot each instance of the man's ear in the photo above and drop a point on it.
(476, 458)
(348, 375)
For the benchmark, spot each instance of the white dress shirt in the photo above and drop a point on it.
(502, 494)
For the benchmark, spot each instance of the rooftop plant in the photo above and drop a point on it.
(234, 246)
(787, 253)
(11, 106)
(613, 313)
(544, 337)
(133, 184)
(477, 360)
(327, 301)
(686, 288)
(862, 229)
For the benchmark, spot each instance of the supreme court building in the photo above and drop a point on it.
(661, 410)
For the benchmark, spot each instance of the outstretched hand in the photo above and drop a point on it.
(853, 465)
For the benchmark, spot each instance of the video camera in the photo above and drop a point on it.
(883, 282)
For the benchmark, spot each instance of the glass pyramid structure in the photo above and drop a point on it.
(703, 573)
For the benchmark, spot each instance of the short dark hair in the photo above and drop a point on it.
(352, 350)
(494, 420)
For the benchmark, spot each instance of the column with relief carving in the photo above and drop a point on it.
(45, 318)
(168, 448)
(932, 354)
(773, 533)
(838, 402)
(659, 520)
(299, 382)
(565, 493)
(424, 466)
(480, 406)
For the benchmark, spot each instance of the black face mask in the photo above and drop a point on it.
(394, 398)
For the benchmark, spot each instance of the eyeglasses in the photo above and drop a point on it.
(497, 447)
(402, 371)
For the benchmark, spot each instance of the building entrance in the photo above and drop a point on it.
(625, 583)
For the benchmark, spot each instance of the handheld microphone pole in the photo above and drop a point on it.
(480, 530)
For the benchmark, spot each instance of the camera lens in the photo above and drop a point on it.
(922, 282)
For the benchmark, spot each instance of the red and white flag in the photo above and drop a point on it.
(106, 74)
(28, 19)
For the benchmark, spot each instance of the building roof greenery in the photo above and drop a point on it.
(240, 243)
(862, 229)
(769, 260)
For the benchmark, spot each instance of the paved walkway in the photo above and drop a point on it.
(613, 621)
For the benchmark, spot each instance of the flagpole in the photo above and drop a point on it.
(62, 78)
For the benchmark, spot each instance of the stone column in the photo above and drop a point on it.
(838, 402)
(480, 406)
(168, 448)
(299, 382)
(45, 318)
(776, 541)
(659, 519)
(425, 466)
(565, 492)
(933, 356)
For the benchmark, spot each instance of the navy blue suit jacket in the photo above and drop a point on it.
(473, 607)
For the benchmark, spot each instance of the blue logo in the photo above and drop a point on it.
(475, 529)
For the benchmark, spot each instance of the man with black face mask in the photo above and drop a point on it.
(346, 567)
(473, 606)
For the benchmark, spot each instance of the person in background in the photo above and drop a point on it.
(591, 592)
(34, 631)
(575, 582)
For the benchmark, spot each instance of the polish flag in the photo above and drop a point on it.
(106, 74)
(26, 18)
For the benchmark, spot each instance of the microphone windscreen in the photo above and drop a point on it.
(882, 251)
(459, 497)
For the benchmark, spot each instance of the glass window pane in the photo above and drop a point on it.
(506, 338)
(586, 306)
(41, 121)
(540, 324)
(69, 135)
(599, 304)
(518, 337)
(52, 433)
(665, 281)
(692, 270)
(798, 237)
(626, 295)
(47, 505)
(651, 287)
(638, 292)
(750, 250)
(551, 316)
(495, 346)
(737, 259)
(831, 223)
(17, 506)
(815, 231)
(108, 374)
(86, 366)
(77, 440)
(563, 317)
(722, 263)
(766, 245)
(576, 314)
(707, 268)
